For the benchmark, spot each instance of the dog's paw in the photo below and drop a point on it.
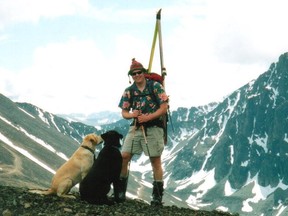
(69, 196)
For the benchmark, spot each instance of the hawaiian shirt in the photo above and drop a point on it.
(145, 101)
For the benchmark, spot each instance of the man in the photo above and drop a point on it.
(145, 101)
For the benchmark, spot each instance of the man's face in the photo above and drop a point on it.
(138, 76)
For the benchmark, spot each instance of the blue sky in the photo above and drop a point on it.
(73, 55)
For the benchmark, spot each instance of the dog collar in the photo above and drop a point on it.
(89, 149)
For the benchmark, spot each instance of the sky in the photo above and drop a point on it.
(72, 56)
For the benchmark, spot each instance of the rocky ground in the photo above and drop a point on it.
(16, 201)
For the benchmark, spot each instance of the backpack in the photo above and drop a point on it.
(154, 77)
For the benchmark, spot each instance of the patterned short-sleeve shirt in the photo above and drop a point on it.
(143, 101)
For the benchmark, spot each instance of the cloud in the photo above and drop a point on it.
(75, 76)
(6, 82)
(248, 32)
(220, 46)
(18, 11)
(211, 48)
(72, 74)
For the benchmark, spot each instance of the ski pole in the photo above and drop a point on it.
(144, 135)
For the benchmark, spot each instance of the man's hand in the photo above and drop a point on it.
(144, 118)
(136, 113)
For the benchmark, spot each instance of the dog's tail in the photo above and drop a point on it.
(41, 191)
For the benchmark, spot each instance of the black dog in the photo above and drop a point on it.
(104, 172)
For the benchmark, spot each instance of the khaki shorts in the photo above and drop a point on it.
(134, 142)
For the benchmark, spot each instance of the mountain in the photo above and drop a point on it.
(230, 156)
(235, 156)
(34, 143)
(94, 119)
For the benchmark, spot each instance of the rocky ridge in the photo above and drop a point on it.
(18, 201)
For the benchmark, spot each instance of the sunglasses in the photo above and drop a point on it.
(139, 72)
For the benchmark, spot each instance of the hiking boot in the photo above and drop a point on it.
(157, 193)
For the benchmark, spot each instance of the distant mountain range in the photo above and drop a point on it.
(231, 156)
(94, 119)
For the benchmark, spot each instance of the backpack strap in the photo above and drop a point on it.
(151, 91)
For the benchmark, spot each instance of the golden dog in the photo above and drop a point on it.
(74, 170)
